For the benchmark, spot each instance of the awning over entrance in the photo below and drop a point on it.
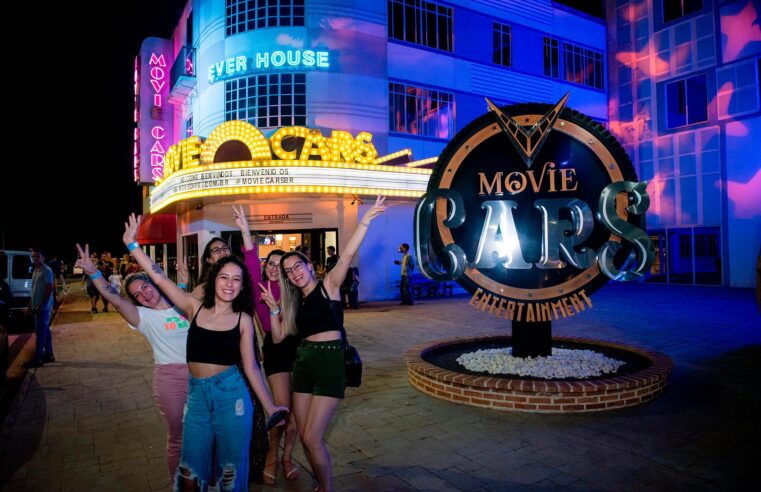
(158, 229)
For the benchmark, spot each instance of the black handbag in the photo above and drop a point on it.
(352, 361)
(353, 365)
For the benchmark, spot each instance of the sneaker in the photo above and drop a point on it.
(94, 310)
(31, 364)
(48, 358)
(105, 309)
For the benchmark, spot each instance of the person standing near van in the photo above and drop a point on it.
(41, 306)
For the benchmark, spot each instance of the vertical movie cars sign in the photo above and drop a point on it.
(153, 117)
(531, 208)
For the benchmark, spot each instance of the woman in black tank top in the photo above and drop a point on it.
(312, 310)
(219, 409)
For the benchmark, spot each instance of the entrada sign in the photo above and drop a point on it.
(531, 208)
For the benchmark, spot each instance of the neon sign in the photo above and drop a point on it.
(241, 65)
(291, 143)
(158, 77)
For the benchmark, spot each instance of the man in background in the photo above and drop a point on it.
(408, 265)
(41, 307)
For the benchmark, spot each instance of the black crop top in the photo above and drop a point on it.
(213, 347)
(318, 313)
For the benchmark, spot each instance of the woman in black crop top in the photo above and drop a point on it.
(312, 310)
(219, 408)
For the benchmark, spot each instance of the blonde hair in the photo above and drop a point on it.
(290, 295)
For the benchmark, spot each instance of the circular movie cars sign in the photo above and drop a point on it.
(531, 208)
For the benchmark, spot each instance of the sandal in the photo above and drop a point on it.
(269, 478)
(290, 470)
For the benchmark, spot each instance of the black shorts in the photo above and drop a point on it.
(279, 357)
(92, 291)
(319, 369)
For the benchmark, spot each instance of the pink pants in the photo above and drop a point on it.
(170, 390)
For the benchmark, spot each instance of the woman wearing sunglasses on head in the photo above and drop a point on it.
(313, 311)
(219, 408)
(166, 329)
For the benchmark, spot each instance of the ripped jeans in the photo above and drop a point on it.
(218, 416)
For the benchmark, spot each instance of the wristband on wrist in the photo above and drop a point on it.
(96, 275)
(183, 286)
(274, 312)
(133, 245)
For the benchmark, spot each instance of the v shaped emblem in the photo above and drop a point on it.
(528, 141)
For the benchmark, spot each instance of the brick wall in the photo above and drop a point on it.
(502, 393)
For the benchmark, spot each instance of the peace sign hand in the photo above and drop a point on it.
(84, 260)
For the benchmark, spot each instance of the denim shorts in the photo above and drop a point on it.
(319, 369)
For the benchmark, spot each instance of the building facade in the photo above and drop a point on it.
(685, 100)
(400, 75)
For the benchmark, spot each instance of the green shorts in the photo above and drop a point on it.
(319, 369)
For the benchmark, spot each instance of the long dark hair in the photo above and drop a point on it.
(206, 263)
(278, 252)
(243, 301)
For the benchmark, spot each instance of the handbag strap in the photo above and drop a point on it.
(335, 317)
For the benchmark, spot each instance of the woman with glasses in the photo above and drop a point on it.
(218, 414)
(166, 329)
(278, 357)
(215, 250)
(313, 311)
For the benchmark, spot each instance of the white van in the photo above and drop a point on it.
(16, 272)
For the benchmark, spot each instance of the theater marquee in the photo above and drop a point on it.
(531, 208)
(237, 159)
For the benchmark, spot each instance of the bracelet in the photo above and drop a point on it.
(275, 312)
(96, 275)
(183, 286)
(132, 246)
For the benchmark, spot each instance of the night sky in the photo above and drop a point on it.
(67, 175)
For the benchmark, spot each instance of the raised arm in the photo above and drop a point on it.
(335, 277)
(184, 301)
(241, 221)
(128, 310)
(250, 252)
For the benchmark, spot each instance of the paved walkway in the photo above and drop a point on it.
(88, 422)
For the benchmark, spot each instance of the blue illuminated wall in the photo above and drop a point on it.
(685, 100)
(351, 91)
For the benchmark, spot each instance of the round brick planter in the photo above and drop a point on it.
(522, 395)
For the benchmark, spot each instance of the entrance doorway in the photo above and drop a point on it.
(316, 240)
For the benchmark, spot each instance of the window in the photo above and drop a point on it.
(551, 62)
(686, 101)
(189, 126)
(737, 89)
(501, 44)
(419, 111)
(267, 101)
(420, 22)
(583, 66)
(247, 15)
(674, 9)
(21, 266)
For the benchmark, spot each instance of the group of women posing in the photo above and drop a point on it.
(200, 366)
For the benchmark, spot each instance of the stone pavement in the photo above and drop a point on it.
(88, 422)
